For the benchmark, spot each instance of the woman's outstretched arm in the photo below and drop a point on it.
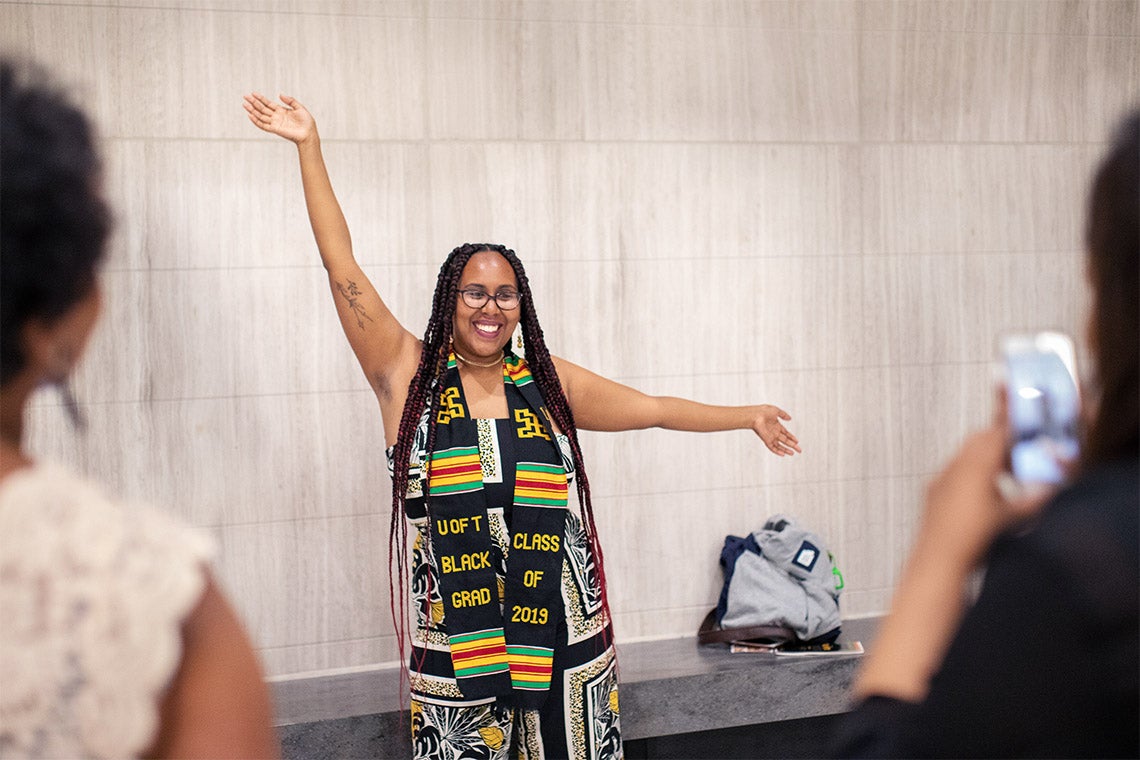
(601, 404)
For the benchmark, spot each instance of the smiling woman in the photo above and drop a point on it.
(512, 646)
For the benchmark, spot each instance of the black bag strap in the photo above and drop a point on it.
(710, 633)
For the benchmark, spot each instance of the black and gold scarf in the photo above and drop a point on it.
(499, 650)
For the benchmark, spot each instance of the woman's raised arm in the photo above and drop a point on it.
(387, 352)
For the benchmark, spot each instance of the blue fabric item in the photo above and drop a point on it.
(734, 546)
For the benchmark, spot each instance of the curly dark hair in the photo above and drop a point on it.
(433, 363)
(1113, 240)
(54, 222)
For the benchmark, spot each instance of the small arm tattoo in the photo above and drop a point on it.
(351, 293)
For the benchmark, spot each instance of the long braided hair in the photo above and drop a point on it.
(424, 393)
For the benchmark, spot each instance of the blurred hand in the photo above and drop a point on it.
(288, 119)
(776, 437)
(965, 505)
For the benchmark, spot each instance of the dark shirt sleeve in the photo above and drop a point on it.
(1039, 667)
(986, 685)
(868, 732)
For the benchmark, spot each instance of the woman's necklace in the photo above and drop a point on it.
(465, 360)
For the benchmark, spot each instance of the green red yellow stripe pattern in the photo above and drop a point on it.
(516, 370)
(456, 470)
(479, 653)
(530, 667)
(540, 485)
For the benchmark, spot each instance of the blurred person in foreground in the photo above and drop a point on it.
(1044, 663)
(114, 639)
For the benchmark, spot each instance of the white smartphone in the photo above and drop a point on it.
(1043, 403)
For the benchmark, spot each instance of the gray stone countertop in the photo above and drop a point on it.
(667, 687)
(678, 686)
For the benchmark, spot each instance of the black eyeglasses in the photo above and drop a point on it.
(477, 298)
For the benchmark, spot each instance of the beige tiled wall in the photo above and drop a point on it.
(832, 206)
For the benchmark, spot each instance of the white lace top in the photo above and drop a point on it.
(92, 598)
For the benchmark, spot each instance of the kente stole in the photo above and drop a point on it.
(495, 651)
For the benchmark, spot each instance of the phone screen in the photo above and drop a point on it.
(1043, 405)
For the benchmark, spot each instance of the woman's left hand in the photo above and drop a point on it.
(776, 437)
(965, 506)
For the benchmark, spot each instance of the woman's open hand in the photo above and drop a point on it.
(776, 437)
(288, 119)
